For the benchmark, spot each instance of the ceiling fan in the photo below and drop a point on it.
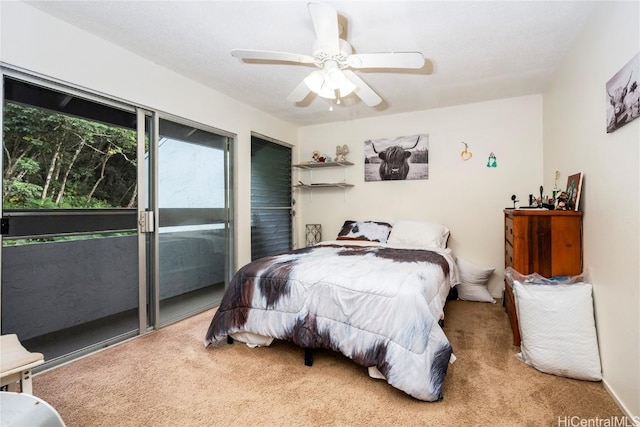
(336, 61)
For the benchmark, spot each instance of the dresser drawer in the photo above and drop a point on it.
(508, 229)
(508, 254)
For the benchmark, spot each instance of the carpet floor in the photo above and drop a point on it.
(168, 378)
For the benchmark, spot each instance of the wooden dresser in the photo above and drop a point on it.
(544, 242)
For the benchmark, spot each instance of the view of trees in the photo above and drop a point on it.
(53, 160)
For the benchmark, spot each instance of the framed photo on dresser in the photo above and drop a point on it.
(574, 188)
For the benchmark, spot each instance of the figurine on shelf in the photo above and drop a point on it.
(341, 153)
(315, 157)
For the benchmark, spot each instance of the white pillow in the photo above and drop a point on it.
(419, 234)
(557, 329)
(473, 282)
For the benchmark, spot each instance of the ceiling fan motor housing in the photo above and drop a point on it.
(322, 54)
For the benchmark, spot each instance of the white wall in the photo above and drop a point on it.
(575, 140)
(40, 43)
(466, 196)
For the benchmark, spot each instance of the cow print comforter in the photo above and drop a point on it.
(375, 305)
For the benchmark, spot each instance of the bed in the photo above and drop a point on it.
(375, 294)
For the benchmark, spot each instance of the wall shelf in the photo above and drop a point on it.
(310, 166)
(316, 165)
(324, 185)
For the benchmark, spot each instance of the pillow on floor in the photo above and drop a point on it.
(473, 282)
(557, 329)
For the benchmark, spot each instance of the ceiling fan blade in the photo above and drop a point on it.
(386, 60)
(268, 55)
(363, 90)
(299, 93)
(325, 23)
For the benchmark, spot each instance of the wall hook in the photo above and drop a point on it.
(466, 154)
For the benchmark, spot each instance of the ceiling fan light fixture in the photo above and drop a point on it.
(329, 84)
(346, 88)
(336, 79)
(316, 81)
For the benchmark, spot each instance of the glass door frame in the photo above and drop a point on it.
(147, 235)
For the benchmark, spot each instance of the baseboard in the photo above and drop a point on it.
(633, 419)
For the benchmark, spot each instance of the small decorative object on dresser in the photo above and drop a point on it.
(562, 201)
(574, 187)
(547, 242)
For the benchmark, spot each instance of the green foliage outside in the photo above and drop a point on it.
(55, 161)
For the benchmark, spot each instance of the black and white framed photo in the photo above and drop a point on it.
(623, 95)
(392, 159)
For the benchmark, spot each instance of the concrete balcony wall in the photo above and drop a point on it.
(47, 287)
(190, 260)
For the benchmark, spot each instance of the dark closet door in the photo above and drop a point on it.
(271, 202)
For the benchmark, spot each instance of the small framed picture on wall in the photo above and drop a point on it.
(623, 95)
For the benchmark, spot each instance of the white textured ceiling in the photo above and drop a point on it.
(475, 50)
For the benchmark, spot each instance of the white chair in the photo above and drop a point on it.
(16, 363)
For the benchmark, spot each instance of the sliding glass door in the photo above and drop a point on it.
(194, 221)
(70, 274)
(97, 246)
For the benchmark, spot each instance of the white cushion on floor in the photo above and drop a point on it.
(473, 281)
(558, 330)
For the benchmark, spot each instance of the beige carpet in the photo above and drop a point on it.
(168, 378)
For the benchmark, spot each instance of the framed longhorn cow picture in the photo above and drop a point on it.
(396, 159)
(623, 95)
